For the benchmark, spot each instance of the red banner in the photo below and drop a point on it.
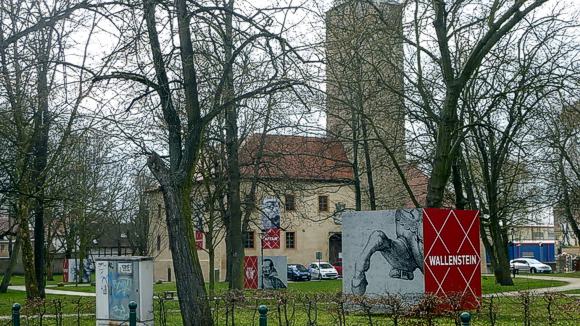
(271, 239)
(199, 239)
(452, 255)
(250, 272)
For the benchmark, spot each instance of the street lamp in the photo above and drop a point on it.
(513, 244)
(262, 235)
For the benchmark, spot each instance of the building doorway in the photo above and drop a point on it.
(334, 247)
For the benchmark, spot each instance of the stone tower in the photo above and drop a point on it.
(364, 86)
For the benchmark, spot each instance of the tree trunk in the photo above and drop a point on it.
(11, 264)
(443, 155)
(502, 271)
(81, 265)
(212, 280)
(567, 203)
(188, 275)
(39, 236)
(228, 250)
(460, 201)
(500, 249)
(175, 180)
(355, 162)
(39, 229)
(234, 222)
(368, 164)
(468, 183)
(49, 274)
(488, 246)
(40, 161)
(22, 212)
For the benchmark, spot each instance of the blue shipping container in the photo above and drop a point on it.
(542, 251)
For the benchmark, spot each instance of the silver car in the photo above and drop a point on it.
(322, 270)
(530, 265)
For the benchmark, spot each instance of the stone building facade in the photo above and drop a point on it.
(309, 177)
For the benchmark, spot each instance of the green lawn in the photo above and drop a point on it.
(322, 304)
(19, 279)
(331, 286)
(509, 312)
(70, 305)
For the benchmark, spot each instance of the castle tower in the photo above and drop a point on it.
(364, 86)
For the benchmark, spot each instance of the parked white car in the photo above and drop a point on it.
(322, 270)
(529, 265)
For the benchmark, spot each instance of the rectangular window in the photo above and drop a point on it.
(249, 239)
(323, 203)
(290, 203)
(290, 240)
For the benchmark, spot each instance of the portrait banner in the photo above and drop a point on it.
(273, 273)
(270, 213)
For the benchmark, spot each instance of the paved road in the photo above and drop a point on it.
(573, 284)
(52, 291)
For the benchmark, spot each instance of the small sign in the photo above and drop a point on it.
(318, 255)
(125, 268)
(271, 239)
(199, 239)
(250, 272)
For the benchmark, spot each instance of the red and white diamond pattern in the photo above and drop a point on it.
(250, 272)
(452, 233)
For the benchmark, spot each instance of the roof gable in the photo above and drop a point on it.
(295, 157)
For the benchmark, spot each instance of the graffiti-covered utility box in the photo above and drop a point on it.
(120, 280)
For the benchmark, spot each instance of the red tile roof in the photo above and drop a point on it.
(418, 182)
(296, 157)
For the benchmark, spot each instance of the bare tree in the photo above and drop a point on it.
(503, 104)
(34, 41)
(189, 109)
(457, 66)
(561, 137)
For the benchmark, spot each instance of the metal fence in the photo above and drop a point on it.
(16, 309)
(465, 317)
(287, 308)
